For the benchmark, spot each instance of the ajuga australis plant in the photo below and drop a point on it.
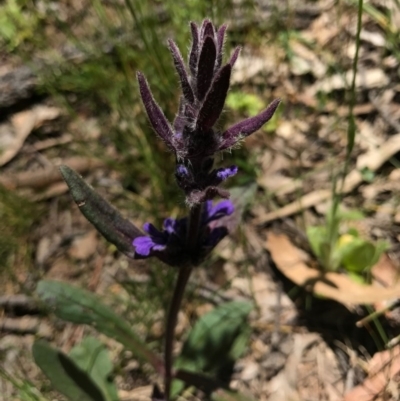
(194, 140)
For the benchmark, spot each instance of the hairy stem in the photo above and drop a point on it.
(192, 242)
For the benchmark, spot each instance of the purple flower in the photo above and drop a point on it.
(169, 245)
(192, 136)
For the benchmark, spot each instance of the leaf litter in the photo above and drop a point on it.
(286, 359)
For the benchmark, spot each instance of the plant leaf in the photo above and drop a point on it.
(292, 262)
(360, 255)
(79, 306)
(107, 220)
(65, 376)
(317, 236)
(217, 339)
(92, 357)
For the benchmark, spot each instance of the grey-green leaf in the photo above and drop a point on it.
(83, 307)
(107, 220)
(65, 376)
(217, 339)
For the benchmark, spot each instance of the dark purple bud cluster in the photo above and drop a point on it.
(192, 136)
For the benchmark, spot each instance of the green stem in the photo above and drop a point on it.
(351, 129)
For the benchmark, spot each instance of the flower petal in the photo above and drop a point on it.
(224, 173)
(143, 245)
(221, 209)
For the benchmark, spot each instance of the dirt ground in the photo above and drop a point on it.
(303, 346)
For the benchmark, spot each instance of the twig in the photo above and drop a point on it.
(25, 325)
(51, 142)
(20, 302)
(377, 313)
(44, 177)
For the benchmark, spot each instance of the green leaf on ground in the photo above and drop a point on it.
(216, 341)
(65, 376)
(80, 306)
(92, 357)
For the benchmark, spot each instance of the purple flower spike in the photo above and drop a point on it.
(194, 139)
(193, 136)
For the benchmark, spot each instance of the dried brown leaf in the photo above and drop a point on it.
(291, 262)
(14, 133)
(382, 369)
(42, 177)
